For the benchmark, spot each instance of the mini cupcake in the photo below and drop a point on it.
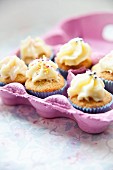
(43, 79)
(12, 69)
(87, 93)
(31, 49)
(73, 55)
(104, 69)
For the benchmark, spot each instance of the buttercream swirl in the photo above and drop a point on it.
(42, 69)
(31, 49)
(74, 52)
(86, 86)
(106, 63)
(12, 66)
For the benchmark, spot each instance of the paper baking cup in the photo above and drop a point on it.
(101, 109)
(63, 73)
(43, 95)
(108, 85)
(52, 56)
(2, 84)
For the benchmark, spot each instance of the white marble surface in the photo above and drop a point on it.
(30, 142)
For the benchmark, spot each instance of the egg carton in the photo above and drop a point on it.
(95, 29)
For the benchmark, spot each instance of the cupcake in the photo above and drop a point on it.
(104, 69)
(73, 55)
(31, 49)
(87, 93)
(43, 79)
(12, 69)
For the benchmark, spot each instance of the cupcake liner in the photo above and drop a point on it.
(101, 109)
(52, 56)
(108, 85)
(2, 84)
(46, 94)
(63, 73)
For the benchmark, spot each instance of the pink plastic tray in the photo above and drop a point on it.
(94, 28)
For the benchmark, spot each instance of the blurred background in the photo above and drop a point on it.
(20, 18)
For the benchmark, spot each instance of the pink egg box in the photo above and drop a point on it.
(97, 30)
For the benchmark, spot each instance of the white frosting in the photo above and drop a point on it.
(74, 52)
(12, 66)
(42, 69)
(106, 63)
(33, 48)
(87, 86)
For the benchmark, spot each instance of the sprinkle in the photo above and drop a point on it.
(39, 67)
(78, 39)
(46, 70)
(94, 72)
(90, 74)
(95, 77)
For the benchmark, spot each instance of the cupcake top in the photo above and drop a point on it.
(31, 49)
(106, 63)
(42, 69)
(74, 52)
(11, 67)
(87, 86)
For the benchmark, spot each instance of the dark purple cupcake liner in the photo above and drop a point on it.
(52, 56)
(63, 73)
(108, 85)
(2, 84)
(101, 109)
(43, 95)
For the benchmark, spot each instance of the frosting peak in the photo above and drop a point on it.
(42, 69)
(12, 66)
(106, 63)
(31, 49)
(86, 86)
(74, 52)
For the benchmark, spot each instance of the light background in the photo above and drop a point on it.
(21, 18)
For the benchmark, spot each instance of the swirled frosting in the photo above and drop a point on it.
(74, 52)
(31, 49)
(106, 63)
(12, 66)
(86, 86)
(42, 69)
